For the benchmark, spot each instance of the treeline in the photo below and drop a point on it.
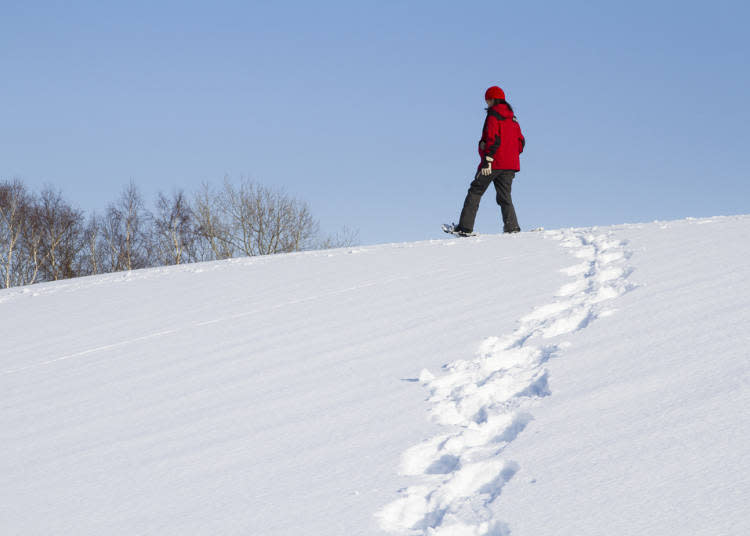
(45, 238)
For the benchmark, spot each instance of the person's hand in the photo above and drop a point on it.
(487, 167)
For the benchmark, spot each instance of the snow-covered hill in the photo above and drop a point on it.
(595, 381)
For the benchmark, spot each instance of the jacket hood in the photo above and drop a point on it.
(502, 108)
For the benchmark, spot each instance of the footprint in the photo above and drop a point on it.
(484, 400)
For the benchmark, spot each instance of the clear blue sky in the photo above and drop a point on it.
(371, 111)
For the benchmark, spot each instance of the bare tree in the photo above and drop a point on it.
(262, 220)
(61, 229)
(28, 270)
(45, 238)
(174, 229)
(13, 200)
(19, 236)
(109, 227)
(212, 227)
(92, 259)
(237, 205)
(345, 238)
(125, 229)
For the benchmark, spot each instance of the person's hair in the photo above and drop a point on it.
(501, 101)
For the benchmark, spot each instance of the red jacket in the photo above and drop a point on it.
(501, 138)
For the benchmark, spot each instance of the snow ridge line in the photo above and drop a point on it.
(485, 401)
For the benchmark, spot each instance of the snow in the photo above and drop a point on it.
(559, 382)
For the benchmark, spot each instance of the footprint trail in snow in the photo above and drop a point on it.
(485, 402)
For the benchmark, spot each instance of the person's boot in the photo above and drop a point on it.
(457, 230)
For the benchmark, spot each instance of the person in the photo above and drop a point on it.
(501, 144)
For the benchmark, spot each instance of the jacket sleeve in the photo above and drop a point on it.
(521, 139)
(490, 142)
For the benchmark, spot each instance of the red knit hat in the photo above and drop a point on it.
(494, 93)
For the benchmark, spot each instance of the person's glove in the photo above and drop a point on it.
(487, 167)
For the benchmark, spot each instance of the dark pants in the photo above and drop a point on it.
(503, 181)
